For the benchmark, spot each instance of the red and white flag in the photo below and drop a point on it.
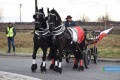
(103, 33)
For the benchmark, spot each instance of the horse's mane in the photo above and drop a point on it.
(56, 13)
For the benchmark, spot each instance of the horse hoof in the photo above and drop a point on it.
(55, 68)
(51, 67)
(34, 67)
(81, 68)
(59, 71)
(75, 66)
(43, 69)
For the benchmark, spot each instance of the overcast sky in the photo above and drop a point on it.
(76, 8)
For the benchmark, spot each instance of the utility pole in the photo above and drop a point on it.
(35, 6)
(105, 22)
(20, 11)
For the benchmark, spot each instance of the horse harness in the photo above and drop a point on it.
(75, 34)
(43, 34)
(62, 29)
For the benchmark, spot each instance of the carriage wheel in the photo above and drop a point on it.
(68, 58)
(87, 58)
(95, 55)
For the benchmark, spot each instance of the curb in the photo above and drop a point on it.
(108, 60)
(19, 54)
(40, 55)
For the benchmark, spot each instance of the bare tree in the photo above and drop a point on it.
(101, 19)
(104, 18)
(84, 18)
(0, 14)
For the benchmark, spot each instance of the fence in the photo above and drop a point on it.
(25, 27)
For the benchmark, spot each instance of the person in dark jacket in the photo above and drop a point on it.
(10, 31)
(69, 22)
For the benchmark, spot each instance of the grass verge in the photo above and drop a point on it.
(108, 47)
(109, 53)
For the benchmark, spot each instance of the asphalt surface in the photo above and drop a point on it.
(13, 76)
(22, 65)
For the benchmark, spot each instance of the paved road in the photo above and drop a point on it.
(14, 76)
(21, 65)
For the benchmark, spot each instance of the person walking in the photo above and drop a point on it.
(10, 31)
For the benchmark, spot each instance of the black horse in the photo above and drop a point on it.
(62, 38)
(42, 39)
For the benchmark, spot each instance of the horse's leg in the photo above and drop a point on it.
(76, 58)
(59, 70)
(56, 62)
(43, 64)
(81, 67)
(53, 52)
(53, 55)
(52, 64)
(34, 64)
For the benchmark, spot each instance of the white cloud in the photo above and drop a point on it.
(75, 8)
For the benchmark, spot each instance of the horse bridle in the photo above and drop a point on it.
(43, 31)
(39, 13)
(59, 31)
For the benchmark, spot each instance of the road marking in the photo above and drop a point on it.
(14, 76)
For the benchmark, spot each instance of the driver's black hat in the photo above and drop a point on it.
(69, 16)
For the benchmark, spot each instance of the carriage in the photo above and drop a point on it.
(90, 49)
(57, 37)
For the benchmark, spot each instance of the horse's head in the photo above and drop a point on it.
(54, 19)
(40, 21)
